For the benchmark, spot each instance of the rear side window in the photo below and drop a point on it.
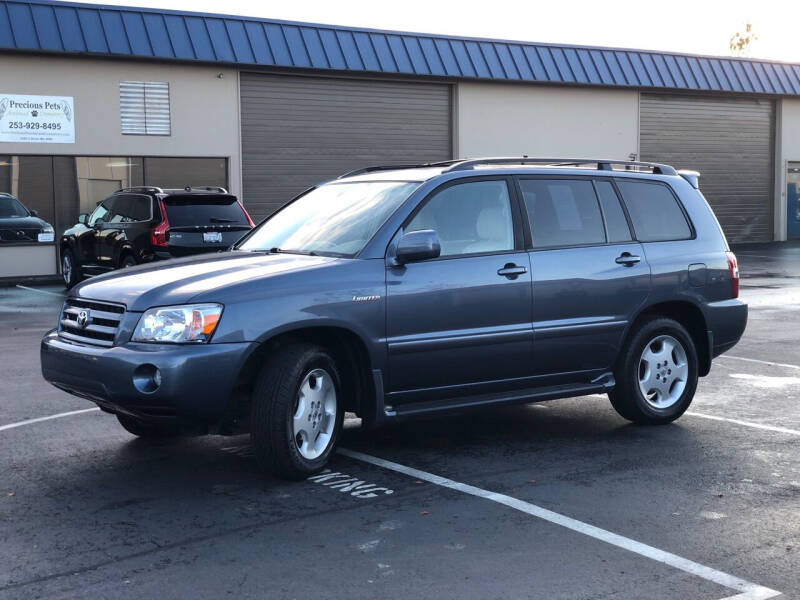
(197, 210)
(616, 223)
(562, 212)
(655, 212)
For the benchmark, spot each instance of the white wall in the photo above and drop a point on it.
(511, 120)
(788, 151)
(204, 108)
(28, 261)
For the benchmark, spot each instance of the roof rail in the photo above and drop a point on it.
(600, 164)
(362, 171)
(140, 189)
(206, 188)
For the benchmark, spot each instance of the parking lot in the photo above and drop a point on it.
(561, 499)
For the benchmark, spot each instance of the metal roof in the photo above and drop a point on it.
(87, 29)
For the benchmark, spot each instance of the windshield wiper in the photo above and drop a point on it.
(289, 251)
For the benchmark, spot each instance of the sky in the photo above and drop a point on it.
(690, 26)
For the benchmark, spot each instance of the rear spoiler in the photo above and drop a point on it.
(693, 177)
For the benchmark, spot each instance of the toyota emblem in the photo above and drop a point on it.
(83, 319)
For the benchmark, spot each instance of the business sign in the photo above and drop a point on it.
(37, 119)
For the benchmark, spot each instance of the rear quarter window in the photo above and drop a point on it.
(654, 211)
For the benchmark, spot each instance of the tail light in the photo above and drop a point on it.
(158, 236)
(733, 268)
(246, 214)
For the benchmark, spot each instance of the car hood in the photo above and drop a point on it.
(22, 222)
(179, 281)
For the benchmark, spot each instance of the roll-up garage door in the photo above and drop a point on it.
(730, 141)
(298, 131)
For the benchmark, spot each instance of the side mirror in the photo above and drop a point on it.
(83, 218)
(33, 213)
(418, 245)
(98, 224)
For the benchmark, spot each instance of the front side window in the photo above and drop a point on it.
(470, 218)
(337, 219)
(103, 212)
(562, 212)
(655, 212)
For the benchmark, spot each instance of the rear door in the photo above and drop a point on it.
(204, 222)
(129, 217)
(589, 275)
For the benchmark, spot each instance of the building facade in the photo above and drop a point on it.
(268, 108)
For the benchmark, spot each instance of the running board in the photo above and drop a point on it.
(601, 385)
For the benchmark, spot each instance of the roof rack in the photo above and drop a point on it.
(444, 163)
(205, 188)
(600, 164)
(141, 188)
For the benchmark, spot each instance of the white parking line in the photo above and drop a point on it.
(30, 289)
(761, 362)
(774, 428)
(40, 419)
(749, 591)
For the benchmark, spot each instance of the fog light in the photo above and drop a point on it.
(147, 378)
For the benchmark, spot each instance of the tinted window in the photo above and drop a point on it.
(129, 209)
(198, 210)
(654, 211)
(616, 224)
(469, 218)
(562, 212)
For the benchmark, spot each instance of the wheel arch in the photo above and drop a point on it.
(688, 314)
(347, 347)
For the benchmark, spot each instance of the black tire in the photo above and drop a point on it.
(274, 402)
(70, 269)
(627, 397)
(148, 430)
(127, 261)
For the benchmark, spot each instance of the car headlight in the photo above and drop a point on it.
(192, 323)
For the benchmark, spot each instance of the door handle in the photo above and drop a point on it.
(511, 271)
(627, 259)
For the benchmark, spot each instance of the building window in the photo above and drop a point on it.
(144, 107)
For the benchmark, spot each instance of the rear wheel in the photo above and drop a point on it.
(296, 414)
(148, 430)
(657, 374)
(69, 268)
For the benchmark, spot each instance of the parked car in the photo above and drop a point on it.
(18, 224)
(143, 224)
(408, 291)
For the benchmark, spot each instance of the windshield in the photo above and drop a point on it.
(10, 207)
(337, 219)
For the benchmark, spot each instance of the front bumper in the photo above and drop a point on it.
(726, 321)
(197, 381)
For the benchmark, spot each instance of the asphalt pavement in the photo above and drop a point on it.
(561, 499)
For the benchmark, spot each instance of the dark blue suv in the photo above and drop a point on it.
(395, 291)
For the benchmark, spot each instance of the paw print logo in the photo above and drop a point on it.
(34, 113)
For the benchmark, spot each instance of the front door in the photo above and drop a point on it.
(589, 276)
(793, 200)
(460, 324)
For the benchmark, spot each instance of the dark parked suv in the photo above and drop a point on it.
(401, 291)
(142, 224)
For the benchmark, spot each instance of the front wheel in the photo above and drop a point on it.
(69, 268)
(296, 414)
(657, 374)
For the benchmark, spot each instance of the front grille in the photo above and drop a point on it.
(19, 234)
(98, 328)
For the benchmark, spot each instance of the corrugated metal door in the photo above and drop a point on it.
(298, 131)
(731, 142)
